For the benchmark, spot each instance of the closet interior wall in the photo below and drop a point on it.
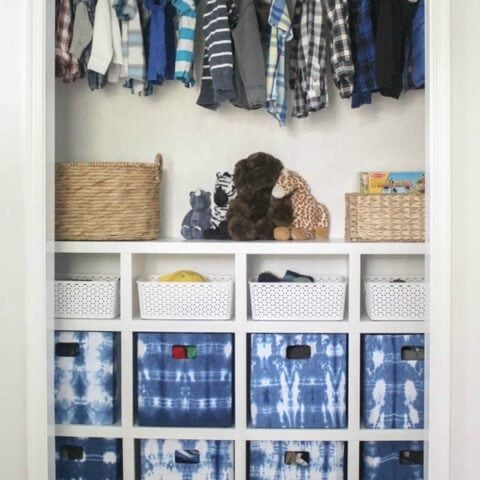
(329, 148)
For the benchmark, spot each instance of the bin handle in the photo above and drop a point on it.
(299, 459)
(299, 352)
(67, 349)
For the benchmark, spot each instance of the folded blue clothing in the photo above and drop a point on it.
(88, 458)
(186, 459)
(86, 378)
(185, 391)
(393, 381)
(298, 380)
(271, 460)
(391, 461)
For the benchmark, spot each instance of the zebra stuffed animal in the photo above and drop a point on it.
(225, 192)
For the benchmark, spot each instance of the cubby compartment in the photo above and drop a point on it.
(282, 460)
(296, 296)
(85, 458)
(87, 286)
(211, 299)
(184, 379)
(182, 459)
(393, 288)
(393, 381)
(298, 380)
(391, 460)
(87, 378)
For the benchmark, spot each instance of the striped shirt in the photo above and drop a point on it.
(218, 42)
(186, 37)
(132, 46)
(281, 33)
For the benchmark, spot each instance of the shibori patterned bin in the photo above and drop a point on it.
(186, 459)
(185, 379)
(88, 458)
(393, 381)
(298, 380)
(391, 460)
(270, 460)
(86, 378)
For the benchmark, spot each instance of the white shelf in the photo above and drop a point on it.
(172, 246)
(345, 257)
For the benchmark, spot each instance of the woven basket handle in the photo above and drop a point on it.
(158, 165)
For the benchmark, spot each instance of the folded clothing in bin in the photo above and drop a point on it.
(86, 378)
(298, 381)
(296, 460)
(88, 458)
(185, 379)
(391, 460)
(186, 459)
(393, 381)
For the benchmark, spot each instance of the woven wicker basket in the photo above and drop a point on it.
(108, 201)
(385, 218)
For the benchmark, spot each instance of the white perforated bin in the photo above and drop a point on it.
(395, 298)
(323, 299)
(87, 296)
(210, 300)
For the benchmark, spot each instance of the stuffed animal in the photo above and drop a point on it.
(254, 213)
(197, 220)
(311, 219)
(224, 192)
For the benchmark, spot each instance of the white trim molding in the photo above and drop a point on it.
(439, 263)
(39, 242)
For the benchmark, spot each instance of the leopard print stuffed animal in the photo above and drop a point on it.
(311, 219)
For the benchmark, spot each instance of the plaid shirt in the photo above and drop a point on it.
(66, 65)
(318, 19)
(281, 33)
(365, 54)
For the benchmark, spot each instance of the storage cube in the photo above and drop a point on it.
(323, 299)
(393, 381)
(87, 296)
(210, 300)
(391, 461)
(86, 378)
(185, 379)
(298, 380)
(395, 298)
(186, 459)
(88, 458)
(296, 460)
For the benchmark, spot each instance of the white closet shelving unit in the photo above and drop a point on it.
(241, 260)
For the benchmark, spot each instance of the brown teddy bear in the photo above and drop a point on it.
(254, 213)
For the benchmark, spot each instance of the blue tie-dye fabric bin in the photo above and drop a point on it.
(86, 378)
(270, 460)
(88, 458)
(393, 381)
(186, 460)
(194, 390)
(298, 381)
(391, 461)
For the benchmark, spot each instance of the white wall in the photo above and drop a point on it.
(328, 149)
(12, 258)
(466, 234)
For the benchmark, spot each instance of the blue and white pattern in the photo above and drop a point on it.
(186, 460)
(88, 458)
(392, 388)
(301, 393)
(185, 393)
(383, 461)
(326, 461)
(86, 378)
